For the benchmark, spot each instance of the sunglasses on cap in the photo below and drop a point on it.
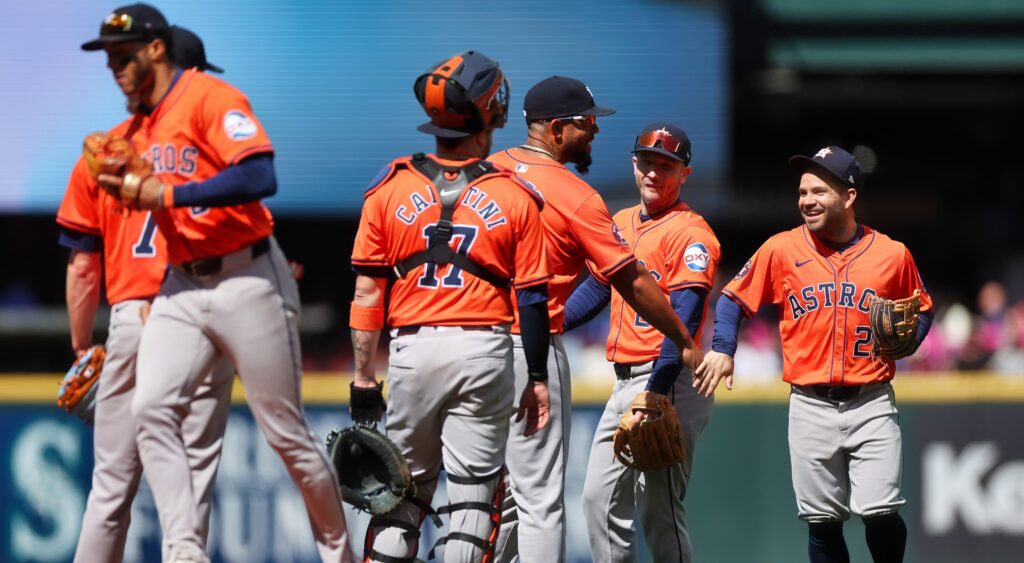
(650, 139)
(116, 24)
(590, 120)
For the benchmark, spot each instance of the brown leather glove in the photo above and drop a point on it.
(117, 157)
(655, 443)
(894, 325)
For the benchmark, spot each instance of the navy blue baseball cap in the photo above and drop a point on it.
(561, 96)
(664, 138)
(189, 51)
(834, 163)
(136, 22)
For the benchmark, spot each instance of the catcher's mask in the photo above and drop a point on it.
(463, 95)
(373, 474)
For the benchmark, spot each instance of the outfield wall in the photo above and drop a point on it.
(963, 477)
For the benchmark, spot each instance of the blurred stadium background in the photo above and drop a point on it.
(928, 93)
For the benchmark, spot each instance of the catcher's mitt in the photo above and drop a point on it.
(894, 325)
(81, 384)
(371, 471)
(655, 443)
(115, 156)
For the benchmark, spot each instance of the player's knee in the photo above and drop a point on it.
(825, 531)
(891, 521)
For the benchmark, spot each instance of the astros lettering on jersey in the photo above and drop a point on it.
(134, 253)
(813, 284)
(397, 222)
(202, 126)
(577, 227)
(680, 251)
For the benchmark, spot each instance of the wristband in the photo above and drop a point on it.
(538, 377)
(366, 318)
(166, 196)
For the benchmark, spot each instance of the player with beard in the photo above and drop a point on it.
(561, 117)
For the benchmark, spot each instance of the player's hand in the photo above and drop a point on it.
(535, 405)
(713, 369)
(111, 184)
(366, 402)
(298, 270)
(144, 312)
(149, 193)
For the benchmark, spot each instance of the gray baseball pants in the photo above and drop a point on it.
(248, 313)
(449, 398)
(117, 468)
(846, 456)
(614, 495)
(533, 514)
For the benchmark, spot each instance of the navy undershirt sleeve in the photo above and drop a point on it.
(688, 305)
(535, 329)
(727, 325)
(924, 324)
(251, 179)
(77, 240)
(589, 299)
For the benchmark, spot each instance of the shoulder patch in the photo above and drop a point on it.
(696, 257)
(238, 126)
(520, 168)
(617, 233)
(743, 270)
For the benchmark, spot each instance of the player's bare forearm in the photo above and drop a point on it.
(82, 290)
(643, 294)
(369, 294)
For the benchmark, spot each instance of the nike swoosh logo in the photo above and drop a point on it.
(446, 193)
(802, 262)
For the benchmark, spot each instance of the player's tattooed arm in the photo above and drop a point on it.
(643, 294)
(368, 299)
(83, 296)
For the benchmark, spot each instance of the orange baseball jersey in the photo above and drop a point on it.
(680, 250)
(134, 254)
(577, 227)
(201, 126)
(496, 224)
(822, 297)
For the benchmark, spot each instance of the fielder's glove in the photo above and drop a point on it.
(114, 156)
(655, 443)
(78, 389)
(371, 471)
(366, 404)
(894, 325)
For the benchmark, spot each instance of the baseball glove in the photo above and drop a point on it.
(373, 474)
(115, 156)
(894, 325)
(655, 443)
(81, 384)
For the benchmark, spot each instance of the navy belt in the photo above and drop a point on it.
(415, 329)
(835, 393)
(213, 266)
(625, 371)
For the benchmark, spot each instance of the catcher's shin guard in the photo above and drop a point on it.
(493, 509)
(410, 533)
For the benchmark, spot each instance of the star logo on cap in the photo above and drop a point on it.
(823, 153)
(663, 130)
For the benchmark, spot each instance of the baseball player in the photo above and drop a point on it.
(561, 118)
(228, 292)
(844, 434)
(681, 252)
(455, 230)
(104, 236)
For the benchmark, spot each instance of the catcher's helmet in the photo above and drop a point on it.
(463, 95)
